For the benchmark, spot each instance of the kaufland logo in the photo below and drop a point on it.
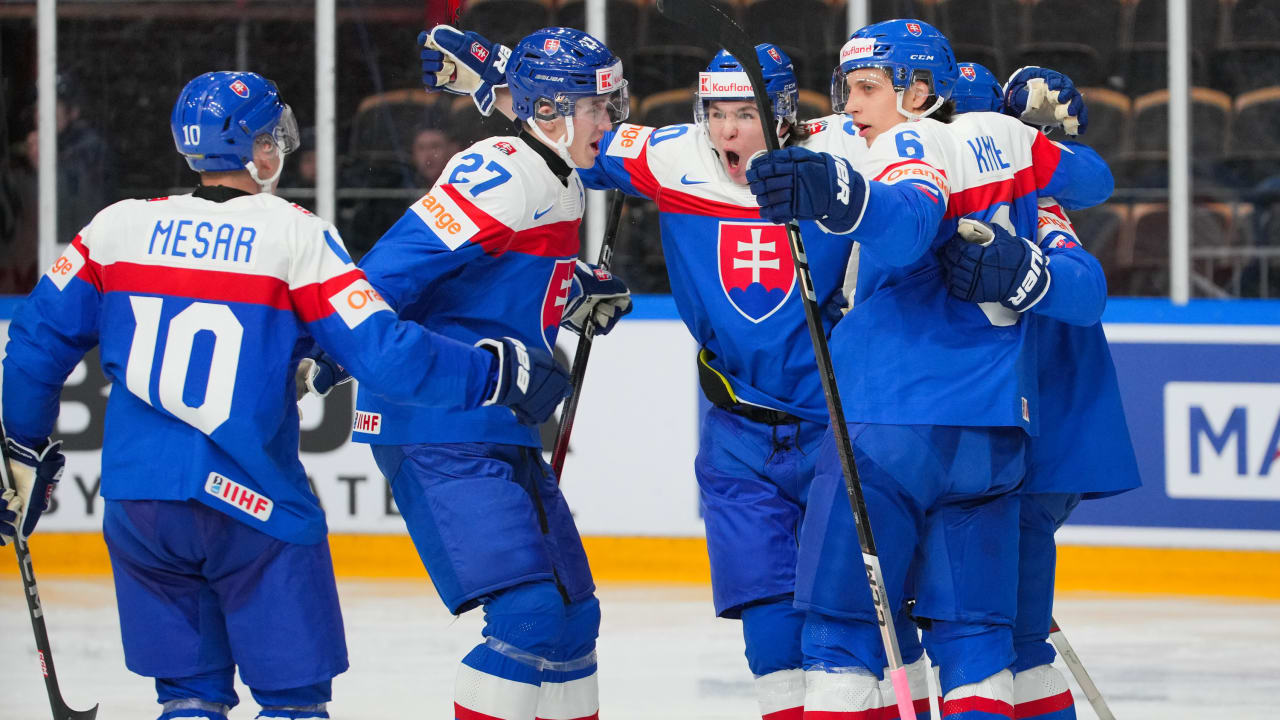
(724, 84)
(858, 48)
(607, 78)
(1222, 440)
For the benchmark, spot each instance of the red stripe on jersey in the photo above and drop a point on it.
(977, 704)
(558, 239)
(1045, 156)
(462, 713)
(197, 284)
(312, 301)
(979, 198)
(592, 716)
(1035, 708)
(672, 200)
(493, 235)
(1056, 209)
(795, 713)
(91, 272)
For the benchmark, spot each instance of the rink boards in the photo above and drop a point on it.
(1201, 388)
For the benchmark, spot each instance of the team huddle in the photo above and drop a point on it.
(961, 310)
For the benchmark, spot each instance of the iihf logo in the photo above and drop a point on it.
(914, 29)
(239, 88)
(968, 72)
(756, 270)
(550, 45)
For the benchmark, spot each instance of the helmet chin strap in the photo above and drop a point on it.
(265, 184)
(561, 146)
(911, 116)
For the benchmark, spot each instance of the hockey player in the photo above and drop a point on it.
(1084, 448)
(197, 303)
(734, 286)
(939, 394)
(491, 249)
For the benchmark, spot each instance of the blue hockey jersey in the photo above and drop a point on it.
(908, 352)
(488, 252)
(732, 275)
(198, 307)
(1084, 444)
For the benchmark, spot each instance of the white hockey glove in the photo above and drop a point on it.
(597, 294)
(318, 374)
(1045, 98)
(34, 473)
(463, 64)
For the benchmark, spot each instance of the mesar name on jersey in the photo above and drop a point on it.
(223, 243)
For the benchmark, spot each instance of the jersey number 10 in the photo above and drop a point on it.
(228, 333)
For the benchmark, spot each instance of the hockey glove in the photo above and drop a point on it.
(798, 184)
(985, 263)
(596, 294)
(318, 374)
(528, 380)
(463, 64)
(1045, 98)
(34, 473)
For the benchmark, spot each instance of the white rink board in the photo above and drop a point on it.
(630, 471)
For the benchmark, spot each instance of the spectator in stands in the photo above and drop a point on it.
(432, 148)
(86, 165)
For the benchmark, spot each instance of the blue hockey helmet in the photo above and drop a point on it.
(220, 115)
(977, 90)
(550, 70)
(725, 79)
(909, 50)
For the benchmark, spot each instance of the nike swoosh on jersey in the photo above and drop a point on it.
(684, 180)
(537, 214)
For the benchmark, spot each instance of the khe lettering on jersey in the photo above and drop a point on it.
(756, 270)
(223, 244)
(987, 154)
(253, 503)
(1222, 440)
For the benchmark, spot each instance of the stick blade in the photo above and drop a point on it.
(69, 714)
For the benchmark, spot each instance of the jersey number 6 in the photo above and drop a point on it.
(214, 407)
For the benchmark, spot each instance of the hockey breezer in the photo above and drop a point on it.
(701, 15)
(579, 370)
(56, 703)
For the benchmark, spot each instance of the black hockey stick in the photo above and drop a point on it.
(1077, 670)
(56, 703)
(579, 371)
(702, 16)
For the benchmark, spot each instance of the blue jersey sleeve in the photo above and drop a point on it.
(1073, 174)
(1077, 291)
(623, 156)
(402, 360)
(48, 336)
(406, 261)
(900, 220)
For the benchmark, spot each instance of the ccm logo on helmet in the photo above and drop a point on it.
(449, 223)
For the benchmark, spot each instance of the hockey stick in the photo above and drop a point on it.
(56, 703)
(1078, 672)
(579, 371)
(702, 16)
(443, 12)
